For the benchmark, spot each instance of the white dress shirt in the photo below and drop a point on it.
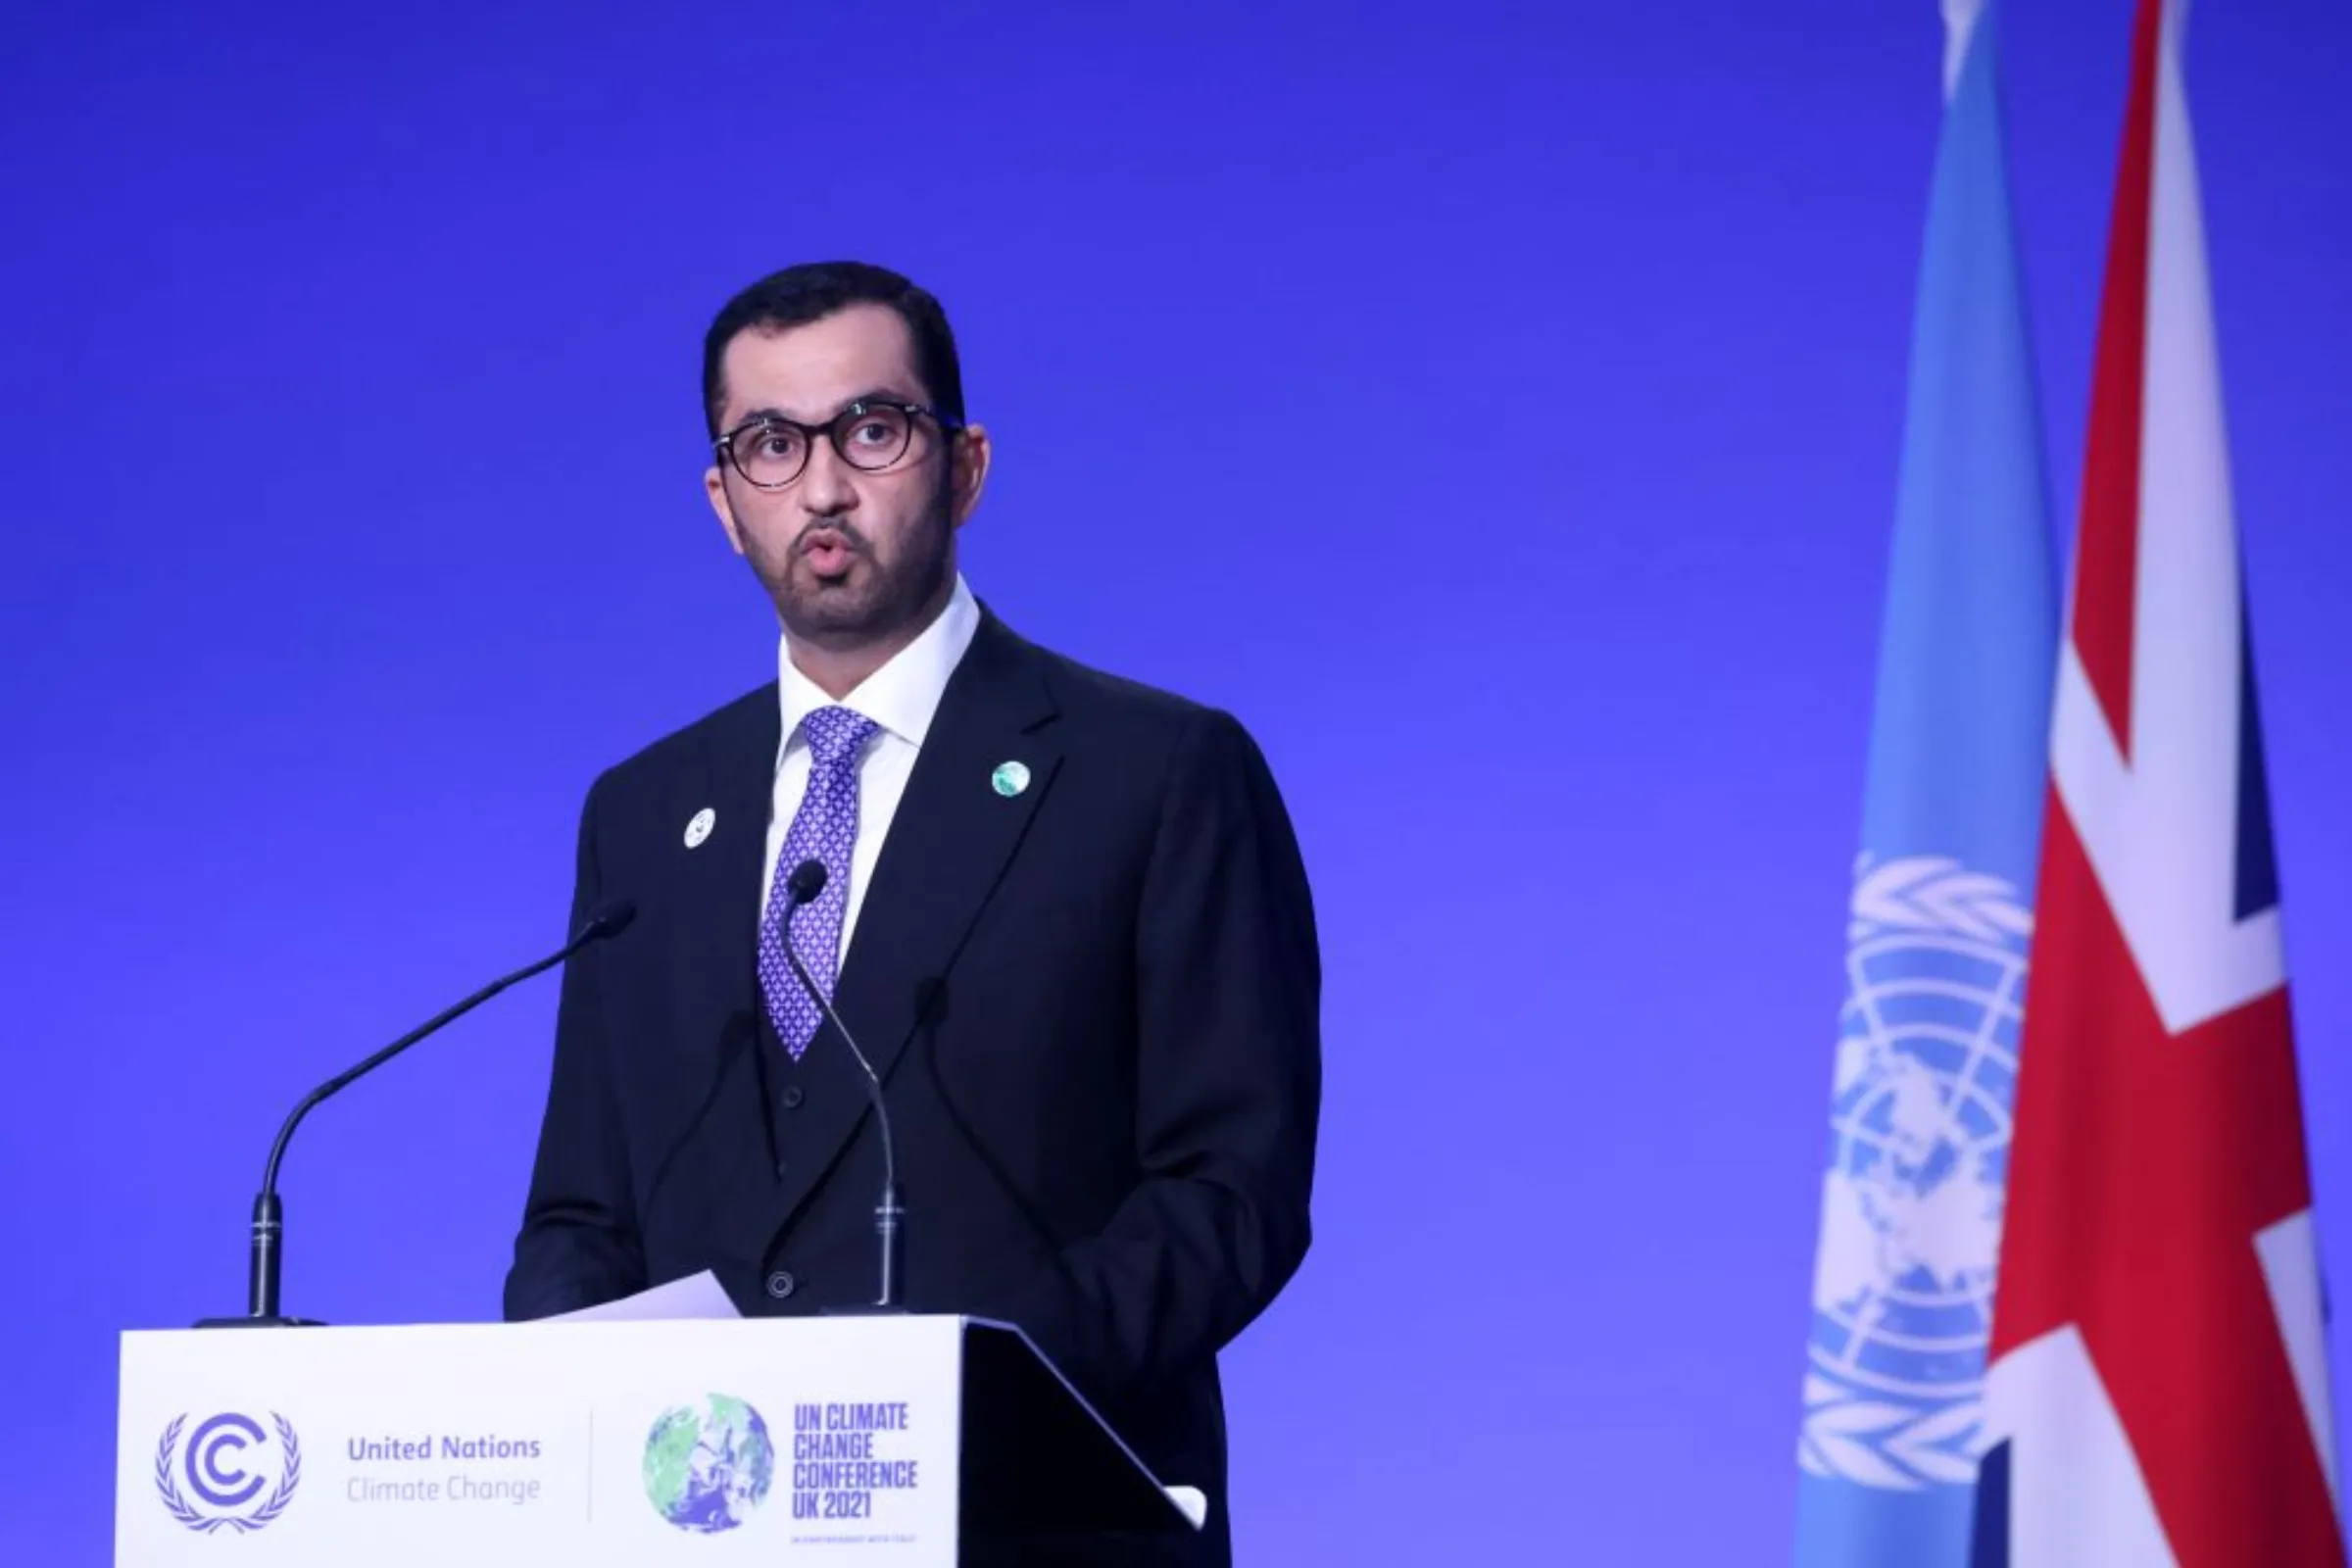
(901, 697)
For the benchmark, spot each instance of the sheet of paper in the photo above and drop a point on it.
(698, 1296)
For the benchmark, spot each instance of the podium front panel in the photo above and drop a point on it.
(810, 1440)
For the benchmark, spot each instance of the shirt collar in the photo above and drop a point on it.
(904, 694)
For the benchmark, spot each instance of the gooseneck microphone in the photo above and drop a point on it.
(609, 918)
(801, 886)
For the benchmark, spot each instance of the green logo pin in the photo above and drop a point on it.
(1009, 778)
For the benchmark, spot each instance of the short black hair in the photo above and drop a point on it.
(814, 290)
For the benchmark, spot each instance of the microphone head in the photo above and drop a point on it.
(807, 881)
(610, 918)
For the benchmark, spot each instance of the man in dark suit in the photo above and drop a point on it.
(1063, 914)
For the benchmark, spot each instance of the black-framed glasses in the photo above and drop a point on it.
(770, 450)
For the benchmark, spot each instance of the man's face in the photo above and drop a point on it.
(850, 557)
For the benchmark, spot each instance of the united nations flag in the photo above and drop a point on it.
(1927, 1051)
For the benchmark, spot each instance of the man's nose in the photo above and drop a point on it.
(827, 486)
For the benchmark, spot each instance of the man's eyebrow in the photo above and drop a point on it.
(879, 394)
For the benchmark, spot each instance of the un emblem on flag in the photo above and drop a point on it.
(1919, 1153)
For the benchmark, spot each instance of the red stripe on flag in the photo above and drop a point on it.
(2107, 542)
(2142, 1165)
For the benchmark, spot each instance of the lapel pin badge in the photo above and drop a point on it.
(699, 826)
(1009, 778)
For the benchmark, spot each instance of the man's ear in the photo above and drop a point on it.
(967, 471)
(714, 485)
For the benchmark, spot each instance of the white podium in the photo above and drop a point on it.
(853, 1440)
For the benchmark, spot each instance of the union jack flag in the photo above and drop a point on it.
(2158, 1390)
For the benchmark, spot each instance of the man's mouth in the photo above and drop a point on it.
(826, 552)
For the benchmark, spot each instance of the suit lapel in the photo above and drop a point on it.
(949, 843)
(718, 882)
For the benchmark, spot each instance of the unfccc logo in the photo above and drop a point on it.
(237, 1477)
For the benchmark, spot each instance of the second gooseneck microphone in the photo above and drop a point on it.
(801, 886)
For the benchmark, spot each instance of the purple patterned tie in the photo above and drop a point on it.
(825, 828)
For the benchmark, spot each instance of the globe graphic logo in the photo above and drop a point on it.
(709, 1465)
(1919, 1154)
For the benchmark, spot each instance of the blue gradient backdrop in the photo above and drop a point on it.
(1389, 375)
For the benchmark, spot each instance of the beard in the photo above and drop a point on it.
(873, 595)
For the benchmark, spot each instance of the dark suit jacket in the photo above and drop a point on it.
(1094, 1007)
